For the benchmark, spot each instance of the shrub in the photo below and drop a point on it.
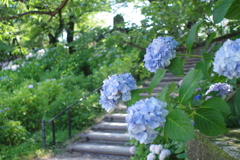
(12, 132)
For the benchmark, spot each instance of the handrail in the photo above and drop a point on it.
(51, 121)
(59, 114)
(73, 104)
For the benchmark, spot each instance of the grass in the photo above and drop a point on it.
(32, 148)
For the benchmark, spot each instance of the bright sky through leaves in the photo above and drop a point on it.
(130, 14)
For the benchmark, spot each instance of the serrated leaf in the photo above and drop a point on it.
(178, 126)
(209, 121)
(233, 11)
(176, 67)
(192, 34)
(196, 102)
(217, 104)
(156, 79)
(189, 84)
(220, 10)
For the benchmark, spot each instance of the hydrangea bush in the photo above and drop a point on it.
(170, 116)
(207, 93)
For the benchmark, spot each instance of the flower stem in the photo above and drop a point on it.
(190, 55)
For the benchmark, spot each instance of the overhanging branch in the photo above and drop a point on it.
(134, 45)
(52, 14)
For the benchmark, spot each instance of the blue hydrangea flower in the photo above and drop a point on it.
(154, 148)
(151, 156)
(143, 117)
(223, 88)
(159, 53)
(227, 59)
(197, 97)
(116, 88)
(164, 154)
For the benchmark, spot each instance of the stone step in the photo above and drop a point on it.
(105, 138)
(147, 95)
(117, 117)
(171, 78)
(115, 127)
(193, 60)
(102, 149)
(162, 84)
(121, 108)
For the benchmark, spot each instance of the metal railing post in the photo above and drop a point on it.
(51, 121)
(69, 124)
(43, 134)
(53, 133)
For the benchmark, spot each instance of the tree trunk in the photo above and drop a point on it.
(54, 39)
(70, 33)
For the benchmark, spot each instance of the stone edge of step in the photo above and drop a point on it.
(102, 149)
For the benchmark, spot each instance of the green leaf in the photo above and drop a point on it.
(189, 84)
(192, 34)
(233, 11)
(209, 121)
(217, 104)
(135, 96)
(196, 102)
(180, 156)
(178, 126)
(237, 102)
(156, 79)
(212, 36)
(163, 93)
(176, 67)
(220, 10)
(199, 65)
(172, 87)
(206, 66)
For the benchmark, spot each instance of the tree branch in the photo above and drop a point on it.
(52, 14)
(134, 45)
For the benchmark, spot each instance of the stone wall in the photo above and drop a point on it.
(225, 147)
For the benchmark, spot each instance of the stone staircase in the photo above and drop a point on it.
(109, 136)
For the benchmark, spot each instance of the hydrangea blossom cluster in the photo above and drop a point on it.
(143, 117)
(158, 150)
(154, 148)
(30, 86)
(132, 149)
(115, 89)
(223, 88)
(164, 154)
(227, 59)
(159, 53)
(151, 156)
(4, 109)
